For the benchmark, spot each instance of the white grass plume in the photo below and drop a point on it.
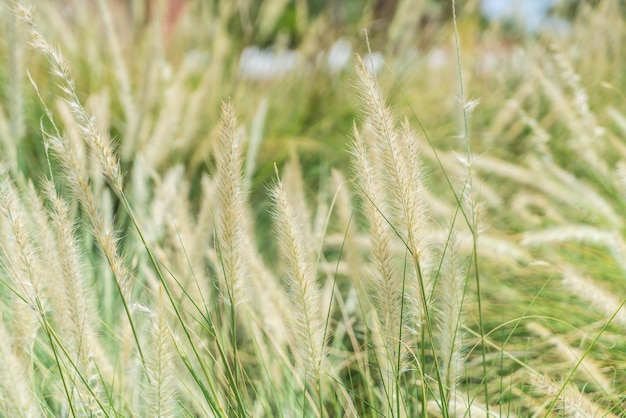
(123, 80)
(450, 292)
(231, 226)
(99, 141)
(160, 391)
(15, 84)
(592, 293)
(574, 357)
(78, 316)
(570, 401)
(22, 263)
(16, 394)
(76, 320)
(387, 284)
(308, 325)
(612, 241)
(401, 170)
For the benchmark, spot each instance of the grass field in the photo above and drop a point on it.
(291, 208)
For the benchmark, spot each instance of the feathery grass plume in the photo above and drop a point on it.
(620, 179)
(394, 161)
(401, 168)
(231, 228)
(78, 318)
(600, 299)
(81, 359)
(570, 402)
(574, 357)
(122, 77)
(256, 137)
(80, 185)
(8, 148)
(74, 170)
(17, 398)
(535, 209)
(348, 243)
(160, 391)
(295, 189)
(76, 176)
(22, 263)
(586, 134)
(589, 199)
(99, 141)
(388, 285)
(45, 238)
(15, 83)
(308, 323)
(537, 179)
(79, 355)
(157, 143)
(583, 234)
(450, 291)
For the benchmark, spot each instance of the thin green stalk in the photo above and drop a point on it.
(481, 326)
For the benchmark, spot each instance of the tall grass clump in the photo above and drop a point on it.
(182, 236)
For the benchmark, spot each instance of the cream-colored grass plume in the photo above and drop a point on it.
(574, 111)
(387, 284)
(573, 357)
(81, 187)
(400, 168)
(17, 398)
(600, 299)
(97, 139)
(389, 174)
(581, 234)
(15, 84)
(231, 224)
(78, 318)
(160, 390)
(308, 323)
(568, 401)
(450, 292)
(20, 259)
(73, 169)
(122, 76)
(587, 199)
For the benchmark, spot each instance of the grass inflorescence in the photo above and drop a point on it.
(438, 235)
